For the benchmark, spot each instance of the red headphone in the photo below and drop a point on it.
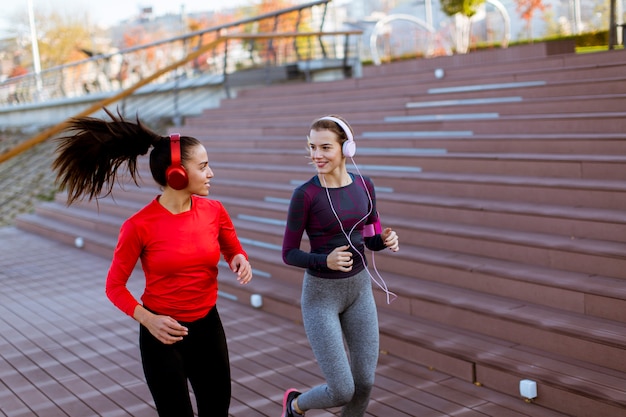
(175, 175)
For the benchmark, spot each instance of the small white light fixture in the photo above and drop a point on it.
(528, 389)
(439, 73)
(79, 242)
(256, 300)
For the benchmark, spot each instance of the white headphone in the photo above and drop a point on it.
(349, 150)
(349, 147)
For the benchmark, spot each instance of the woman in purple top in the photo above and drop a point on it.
(337, 209)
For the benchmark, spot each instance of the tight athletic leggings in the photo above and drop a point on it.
(200, 358)
(334, 309)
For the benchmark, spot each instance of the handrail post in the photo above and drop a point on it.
(295, 39)
(177, 119)
(321, 29)
(225, 71)
(346, 43)
(271, 55)
(612, 25)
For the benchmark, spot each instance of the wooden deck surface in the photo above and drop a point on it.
(65, 350)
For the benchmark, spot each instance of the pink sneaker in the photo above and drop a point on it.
(289, 396)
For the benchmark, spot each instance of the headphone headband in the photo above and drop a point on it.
(341, 124)
(175, 149)
(175, 175)
(349, 147)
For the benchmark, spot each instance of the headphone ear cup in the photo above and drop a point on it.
(175, 174)
(349, 148)
(176, 177)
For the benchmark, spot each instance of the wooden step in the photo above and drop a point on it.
(425, 105)
(568, 290)
(255, 228)
(491, 62)
(608, 167)
(520, 58)
(306, 107)
(516, 82)
(564, 191)
(571, 222)
(538, 326)
(555, 285)
(590, 144)
(565, 123)
(92, 242)
(515, 105)
(461, 353)
(587, 123)
(568, 385)
(85, 219)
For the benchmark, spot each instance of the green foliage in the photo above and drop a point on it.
(599, 38)
(592, 40)
(465, 7)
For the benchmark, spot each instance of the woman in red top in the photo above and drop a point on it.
(179, 237)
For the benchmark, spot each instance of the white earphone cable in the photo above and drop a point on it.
(382, 284)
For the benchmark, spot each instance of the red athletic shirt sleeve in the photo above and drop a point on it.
(179, 254)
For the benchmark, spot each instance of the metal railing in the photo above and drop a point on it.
(115, 71)
(306, 46)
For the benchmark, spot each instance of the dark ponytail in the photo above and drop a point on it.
(89, 157)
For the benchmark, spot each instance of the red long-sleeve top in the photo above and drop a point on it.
(179, 255)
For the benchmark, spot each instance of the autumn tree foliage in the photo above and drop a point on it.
(285, 23)
(135, 36)
(208, 59)
(526, 9)
(275, 48)
(62, 38)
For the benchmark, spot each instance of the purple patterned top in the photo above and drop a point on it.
(310, 211)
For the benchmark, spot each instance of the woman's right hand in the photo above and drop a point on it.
(340, 259)
(164, 328)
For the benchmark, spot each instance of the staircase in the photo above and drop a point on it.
(505, 180)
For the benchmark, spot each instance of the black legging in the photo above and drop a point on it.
(201, 357)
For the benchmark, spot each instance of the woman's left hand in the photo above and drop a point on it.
(390, 238)
(240, 266)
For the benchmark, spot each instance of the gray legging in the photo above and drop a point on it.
(334, 309)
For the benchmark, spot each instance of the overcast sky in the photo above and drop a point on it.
(109, 12)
